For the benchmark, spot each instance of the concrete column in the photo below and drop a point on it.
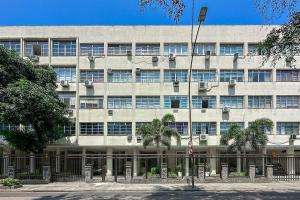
(163, 171)
(83, 160)
(88, 173)
(32, 163)
(187, 165)
(270, 172)
(245, 48)
(5, 164)
(135, 162)
(66, 160)
(57, 161)
(46, 173)
(274, 75)
(109, 163)
(213, 161)
(224, 171)
(11, 171)
(290, 161)
(201, 172)
(252, 172)
(238, 162)
(128, 172)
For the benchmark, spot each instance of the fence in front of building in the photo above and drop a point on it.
(115, 167)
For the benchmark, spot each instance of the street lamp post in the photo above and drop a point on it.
(201, 19)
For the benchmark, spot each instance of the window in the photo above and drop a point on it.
(139, 125)
(202, 48)
(70, 129)
(181, 127)
(287, 102)
(119, 102)
(68, 98)
(175, 102)
(204, 128)
(231, 101)
(148, 76)
(119, 128)
(287, 75)
(91, 102)
(65, 73)
(287, 128)
(118, 49)
(200, 102)
(147, 49)
(224, 126)
(64, 48)
(259, 101)
(91, 49)
(227, 75)
(180, 49)
(12, 45)
(231, 49)
(254, 50)
(203, 75)
(118, 76)
(175, 75)
(4, 126)
(96, 76)
(38, 48)
(147, 102)
(91, 128)
(259, 75)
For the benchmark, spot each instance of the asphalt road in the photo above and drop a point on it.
(169, 195)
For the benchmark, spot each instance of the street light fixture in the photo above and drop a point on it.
(201, 19)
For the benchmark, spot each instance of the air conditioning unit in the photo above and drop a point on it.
(225, 109)
(202, 86)
(64, 83)
(110, 112)
(88, 83)
(232, 82)
(35, 58)
(137, 70)
(203, 137)
(154, 59)
(129, 137)
(235, 57)
(175, 83)
(293, 137)
(172, 57)
(129, 53)
(91, 58)
(70, 111)
(109, 70)
(207, 55)
(138, 139)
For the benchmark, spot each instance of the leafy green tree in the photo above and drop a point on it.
(283, 42)
(30, 103)
(253, 138)
(157, 133)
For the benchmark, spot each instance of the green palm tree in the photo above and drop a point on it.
(158, 134)
(253, 137)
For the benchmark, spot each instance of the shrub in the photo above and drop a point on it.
(10, 182)
(172, 174)
(154, 170)
(236, 174)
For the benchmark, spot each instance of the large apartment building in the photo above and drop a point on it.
(116, 78)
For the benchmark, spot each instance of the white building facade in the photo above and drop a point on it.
(115, 78)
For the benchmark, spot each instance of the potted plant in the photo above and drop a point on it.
(179, 171)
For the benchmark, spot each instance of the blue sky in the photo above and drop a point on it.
(121, 12)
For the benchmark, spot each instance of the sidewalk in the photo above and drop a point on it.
(106, 187)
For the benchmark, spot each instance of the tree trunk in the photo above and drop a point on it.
(244, 161)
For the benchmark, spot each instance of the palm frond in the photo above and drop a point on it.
(166, 142)
(167, 118)
(170, 132)
(148, 140)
